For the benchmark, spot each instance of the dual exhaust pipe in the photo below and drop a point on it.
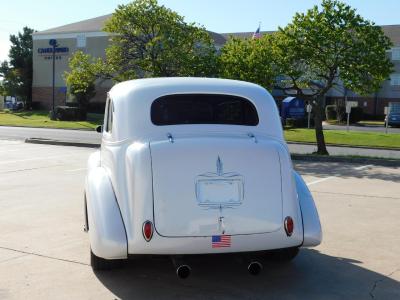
(255, 268)
(183, 270)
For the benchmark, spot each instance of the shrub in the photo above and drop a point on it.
(341, 113)
(296, 123)
(372, 117)
(356, 114)
(72, 104)
(36, 105)
(96, 107)
(289, 122)
(66, 113)
(330, 112)
(82, 98)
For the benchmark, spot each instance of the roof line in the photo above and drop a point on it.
(51, 30)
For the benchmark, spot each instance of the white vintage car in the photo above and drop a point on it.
(194, 166)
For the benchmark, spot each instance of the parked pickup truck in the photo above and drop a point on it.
(194, 166)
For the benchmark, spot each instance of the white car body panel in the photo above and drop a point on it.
(255, 213)
(311, 223)
(184, 178)
(106, 229)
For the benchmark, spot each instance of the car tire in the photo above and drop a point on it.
(284, 255)
(101, 264)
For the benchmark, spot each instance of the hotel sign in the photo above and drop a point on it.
(47, 52)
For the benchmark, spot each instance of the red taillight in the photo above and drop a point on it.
(147, 230)
(289, 226)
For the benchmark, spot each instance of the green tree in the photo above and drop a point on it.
(17, 73)
(148, 40)
(249, 60)
(81, 79)
(10, 82)
(326, 47)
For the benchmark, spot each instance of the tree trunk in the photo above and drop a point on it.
(319, 132)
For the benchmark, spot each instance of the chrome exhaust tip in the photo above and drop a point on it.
(255, 268)
(183, 271)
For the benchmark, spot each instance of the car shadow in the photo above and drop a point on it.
(312, 275)
(347, 170)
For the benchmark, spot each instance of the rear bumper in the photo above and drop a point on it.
(189, 257)
(203, 245)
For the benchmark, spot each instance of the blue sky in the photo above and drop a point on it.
(215, 15)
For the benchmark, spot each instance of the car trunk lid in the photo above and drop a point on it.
(207, 186)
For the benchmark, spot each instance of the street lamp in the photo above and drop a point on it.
(54, 44)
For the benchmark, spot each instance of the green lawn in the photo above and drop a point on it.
(41, 119)
(352, 138)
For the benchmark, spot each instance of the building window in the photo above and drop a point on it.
(395, 79)
(81, 41)
(396, 54)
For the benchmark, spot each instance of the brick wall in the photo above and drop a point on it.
(370, 105)
(43, 95)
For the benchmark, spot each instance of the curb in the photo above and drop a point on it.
(345, 146)
(61, 143)
(386, 162)
(44, 127)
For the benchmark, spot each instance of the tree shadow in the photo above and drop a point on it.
(347, 170)
(312, 275)
(28, 114)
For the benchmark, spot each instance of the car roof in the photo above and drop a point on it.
(187, 83)
(132, 100)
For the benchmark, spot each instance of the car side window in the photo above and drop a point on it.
(109, 116)
(105, 123)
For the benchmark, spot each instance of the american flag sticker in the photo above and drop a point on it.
(221, 241)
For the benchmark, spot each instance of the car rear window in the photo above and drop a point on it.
(203, 109)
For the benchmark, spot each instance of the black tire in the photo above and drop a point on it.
(101, 264)
(284, 255)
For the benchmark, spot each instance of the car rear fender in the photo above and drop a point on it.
(93, 161)
(106, 229)
(311, 224)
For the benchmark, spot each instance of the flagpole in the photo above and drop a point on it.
(257, 33)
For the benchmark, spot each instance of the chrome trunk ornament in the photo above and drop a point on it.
(219, 190)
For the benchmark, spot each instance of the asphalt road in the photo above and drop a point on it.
(44, 253)
(22, 133)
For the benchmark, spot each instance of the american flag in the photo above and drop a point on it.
(221, 241)
(257, 34)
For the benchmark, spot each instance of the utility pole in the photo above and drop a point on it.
(53, 43)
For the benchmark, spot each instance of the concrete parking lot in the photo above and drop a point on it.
(44, 253)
